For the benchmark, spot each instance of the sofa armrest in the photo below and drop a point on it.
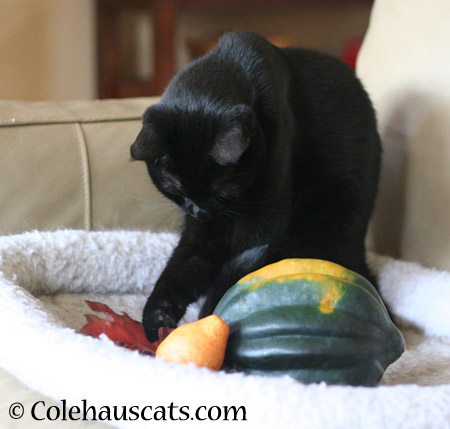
(404, 63)
(67, 165)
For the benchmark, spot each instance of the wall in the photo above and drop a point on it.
(47, 47)
(322, 27)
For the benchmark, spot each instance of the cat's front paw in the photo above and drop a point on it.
(156, 317)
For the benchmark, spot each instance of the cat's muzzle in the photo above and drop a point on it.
(201, 214)
(196, 212)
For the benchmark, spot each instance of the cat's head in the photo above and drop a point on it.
(202, 158)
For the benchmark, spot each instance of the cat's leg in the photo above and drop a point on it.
(185, 278)
(231, 272)
(335, 242)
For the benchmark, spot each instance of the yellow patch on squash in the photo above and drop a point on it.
(325, 275)
(287, 278)
(332, 293)
(330, 289)
(202, 342)
(297, 266)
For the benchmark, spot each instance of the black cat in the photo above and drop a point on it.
(271, 153)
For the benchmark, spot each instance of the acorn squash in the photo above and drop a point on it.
(311, 319)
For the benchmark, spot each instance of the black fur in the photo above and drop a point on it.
(271, 153)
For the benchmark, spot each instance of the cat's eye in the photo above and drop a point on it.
(170, 183)
(225, 191)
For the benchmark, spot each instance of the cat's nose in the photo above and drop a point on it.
(197, 212)
(201, 214)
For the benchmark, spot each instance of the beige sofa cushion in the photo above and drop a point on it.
(67, 165)
(404, 64)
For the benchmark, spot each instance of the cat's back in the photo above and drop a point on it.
(302, 65)
(325, 82)
(307, 76)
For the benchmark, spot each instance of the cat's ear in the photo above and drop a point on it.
(230, 146)
(149, 143)
(233, 141)
(146, 145)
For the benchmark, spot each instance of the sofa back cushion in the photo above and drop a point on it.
(67, 165)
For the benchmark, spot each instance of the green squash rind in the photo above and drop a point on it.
(312, 326)
(348, 275)
(285, 290)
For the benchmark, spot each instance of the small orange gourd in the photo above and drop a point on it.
(202, 342)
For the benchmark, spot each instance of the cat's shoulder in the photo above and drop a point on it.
(241, 37)
(244, 44)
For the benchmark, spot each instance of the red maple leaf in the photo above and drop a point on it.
(121, 329)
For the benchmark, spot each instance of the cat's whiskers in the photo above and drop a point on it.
(231, 214)
(272, 199)
(159, 207)
(234, 176)
(156, 205)
(147, 200)
(166, 210)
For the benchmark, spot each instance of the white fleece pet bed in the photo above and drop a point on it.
(45, 277)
